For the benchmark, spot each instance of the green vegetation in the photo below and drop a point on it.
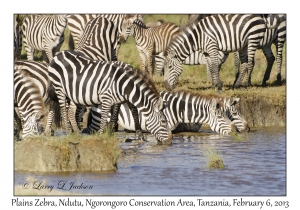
(213, 157)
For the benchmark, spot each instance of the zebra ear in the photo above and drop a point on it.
(234, 101)
(134, 18)
(38, 116)
(171, 53)
(214, 103)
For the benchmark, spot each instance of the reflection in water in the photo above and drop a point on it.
(254, 166)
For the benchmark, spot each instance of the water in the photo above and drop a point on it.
(255, 166)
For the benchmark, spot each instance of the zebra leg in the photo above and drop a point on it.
(93, 121)
(251, 54)
(105, 109)
(63, 111)
(279, 48)
(135, 115)
(50, 116)
(17, 126)
(212, 63)
(270, 59)
(114, 118)
(243, 58)
(71, 116)
(237, 63)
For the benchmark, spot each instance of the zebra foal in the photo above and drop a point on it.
(152, 41)
(89, 82)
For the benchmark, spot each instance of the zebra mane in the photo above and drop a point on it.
(145, 77)
(34, 90)
(197, 94)
(140, 24)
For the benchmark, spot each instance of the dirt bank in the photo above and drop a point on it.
(58, 156)
(263, 111)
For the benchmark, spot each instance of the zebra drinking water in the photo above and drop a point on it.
(90, 82)
(30, 105)
(187, 111)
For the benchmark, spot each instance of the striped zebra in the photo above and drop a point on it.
(30, 105)
(272, 36)
(89, 82)
(99, 41)
(44, 33)
(37, 72)
(17, 40)
(77, 23)
(186, 111)
(152, 41)
(226, 33)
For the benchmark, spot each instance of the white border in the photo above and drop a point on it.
(8, 8)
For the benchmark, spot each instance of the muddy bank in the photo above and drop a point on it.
(263, 111)
(49, 156)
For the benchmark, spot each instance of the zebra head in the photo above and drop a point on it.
(124, 27)
(234, 114)
(218, 120)
(156, 123)
(172, 70)
(32, 125)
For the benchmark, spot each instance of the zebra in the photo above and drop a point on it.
(99, 41)
(38, 74)
(186, 110)
(44, 33)
(152, 41)
(30, 105)
(226, 33)
(17, 40)
(77, 22)
(90, 82)
(272, 36)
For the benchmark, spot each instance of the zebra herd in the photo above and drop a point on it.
(89, 75)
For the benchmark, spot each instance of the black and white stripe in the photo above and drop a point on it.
(89, 82)
(44, 33)
(152, 41)
(37, 72)
(30, 105)
(275, 36)
(78, 22)
(226, 33)
(187, 112)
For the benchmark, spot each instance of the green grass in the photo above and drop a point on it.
(213, 157)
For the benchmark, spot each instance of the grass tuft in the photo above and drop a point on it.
(213, 157)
